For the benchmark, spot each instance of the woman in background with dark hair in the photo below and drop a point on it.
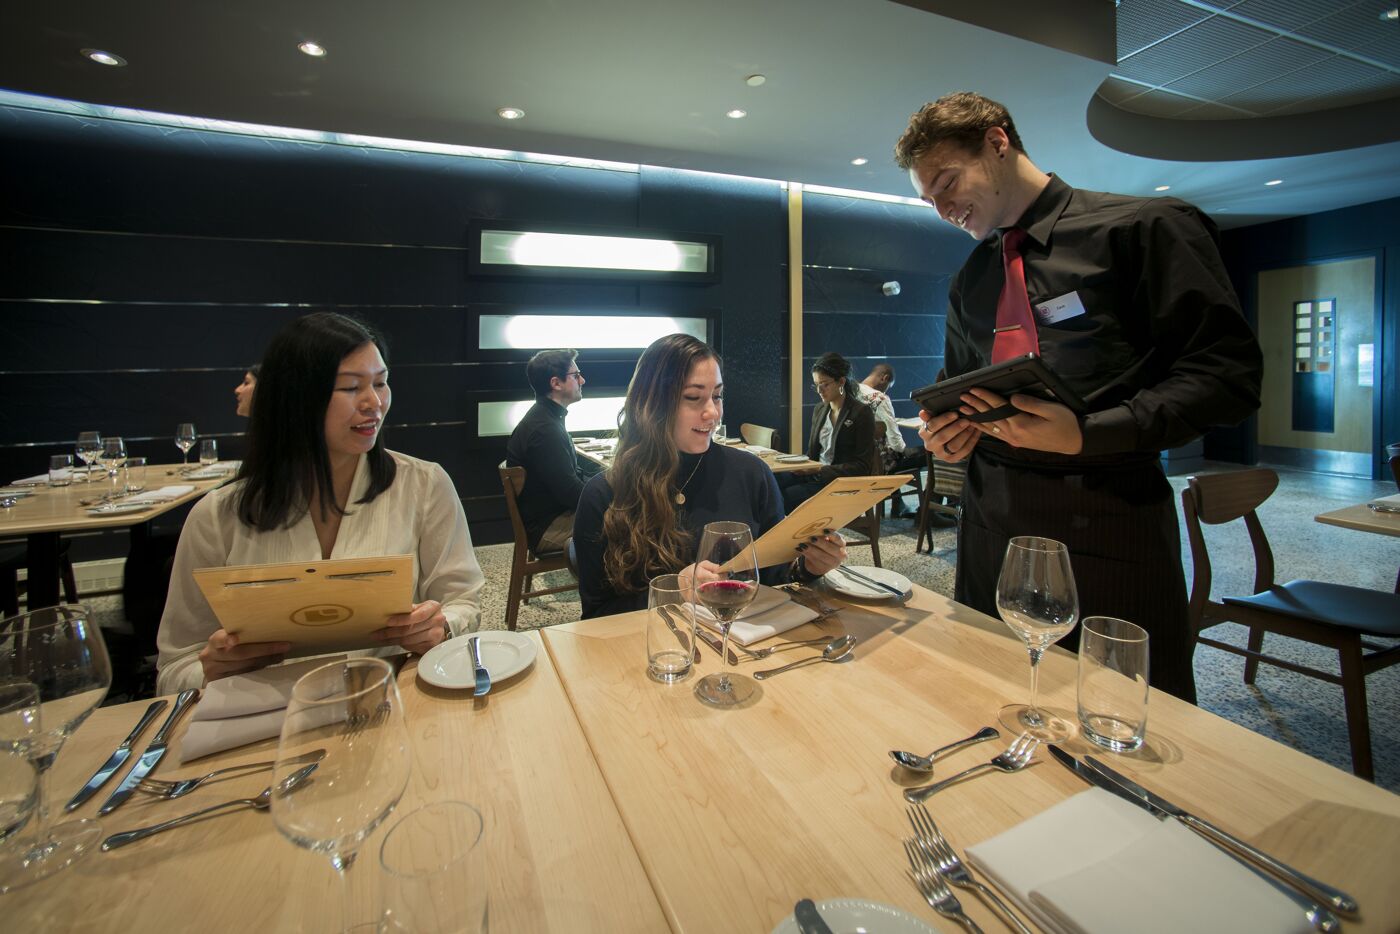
(643, 516)
(318, 483)
(243, 392)
(843, 433)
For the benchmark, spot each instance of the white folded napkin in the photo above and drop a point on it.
(1096, 863)
(33, 481)
(243, 709)
(758, 449)
(158, 496)
(1387, 503)
(771, 612)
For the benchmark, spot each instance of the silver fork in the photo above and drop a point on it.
(949, 865)
(162, 788)
(766, 651)
(934, 890)
(1016, 757)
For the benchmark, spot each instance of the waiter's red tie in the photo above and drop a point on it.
(1015, 329)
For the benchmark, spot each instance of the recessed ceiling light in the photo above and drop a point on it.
(104, 58)
(1163, 188)
(859, 160)
(1391, 14)
(755, 81)
(737, 114)
(510, 113)
(312, 49)
(1277, 181)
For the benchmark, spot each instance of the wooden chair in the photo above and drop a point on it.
(867, 526)
(915, 481)
(757, 434)
(524, 565)
(942, 496)
(1331, 615)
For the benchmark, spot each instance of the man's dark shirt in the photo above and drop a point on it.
(554, 477)
(1162, 351)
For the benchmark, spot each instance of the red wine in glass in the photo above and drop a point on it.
(726, 552)
(727, 598)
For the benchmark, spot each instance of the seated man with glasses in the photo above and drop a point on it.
(554, 475)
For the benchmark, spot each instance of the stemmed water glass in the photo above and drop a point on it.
(352, 710)
(113, 457)
(88, 448)
(19, 778)
(61, 652)
(1036, 597)
(726, 546)
(185, 437)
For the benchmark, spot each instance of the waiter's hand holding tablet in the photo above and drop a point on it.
(1020, 401)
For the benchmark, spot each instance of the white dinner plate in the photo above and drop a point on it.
(119, 509)
(449, 664)
(791, 458)
(844, 584)
(853, 915)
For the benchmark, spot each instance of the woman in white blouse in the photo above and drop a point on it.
(319, 483)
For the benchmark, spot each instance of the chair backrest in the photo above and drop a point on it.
(512, 482)
(1392, 452)
(947, 479)
(1216, 499)
(757, 434)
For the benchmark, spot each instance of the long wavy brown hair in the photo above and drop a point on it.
(640, 528)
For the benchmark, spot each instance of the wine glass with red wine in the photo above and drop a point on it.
(729, 545)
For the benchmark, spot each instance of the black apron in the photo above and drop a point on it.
(1117, 516)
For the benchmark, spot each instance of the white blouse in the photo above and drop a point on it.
(420, 514)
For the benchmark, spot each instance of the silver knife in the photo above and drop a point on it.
(482, 686)
(152, 755)
(868, 581)
(665, 613)
(1321, 918)
(809, 920)
(714, 643)
(117, 759)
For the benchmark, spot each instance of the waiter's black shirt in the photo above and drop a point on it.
(1162, 351)
(554, 477)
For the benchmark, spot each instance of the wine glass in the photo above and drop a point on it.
(352, 709)
(113, 457)
(727, 544)
(89, 446)
(208, 452)
(185, 437)
(19, 778)
(1036, 597)
(61, 652)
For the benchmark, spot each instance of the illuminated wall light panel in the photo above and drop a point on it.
(511, 249)
(498, 419)
(541, 332)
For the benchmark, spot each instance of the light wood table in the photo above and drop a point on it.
(1362, 518)
(604, 458)
(559, 857)
(48, 512)
(738, 813)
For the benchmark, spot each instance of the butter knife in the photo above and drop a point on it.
(714, 642)
(152, 755)
(665, 612)
(1322, 919)
(809, 920)
(1334, 897)
(868, 581)
(117, 759)
(482, 687)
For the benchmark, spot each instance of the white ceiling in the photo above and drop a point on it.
(645, 81)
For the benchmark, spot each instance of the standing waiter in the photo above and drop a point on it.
(1128, 301)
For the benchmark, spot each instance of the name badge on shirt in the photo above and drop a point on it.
(1059, 309)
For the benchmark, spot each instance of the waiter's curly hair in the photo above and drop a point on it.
(643, 538)
(963, 118)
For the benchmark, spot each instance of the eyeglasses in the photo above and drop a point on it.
(573, 373)
(823, 385)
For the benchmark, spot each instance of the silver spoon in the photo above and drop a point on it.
(259, 803)
(916, 763)
(838, 650)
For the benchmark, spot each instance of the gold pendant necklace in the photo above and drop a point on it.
(680, 494)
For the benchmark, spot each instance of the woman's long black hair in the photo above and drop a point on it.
(288, 462)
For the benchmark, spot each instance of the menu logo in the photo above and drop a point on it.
(816, 527)
(322, 614)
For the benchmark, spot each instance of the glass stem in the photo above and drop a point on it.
(724, 660)
(1033, 714)
(41, 794)
(342, 864)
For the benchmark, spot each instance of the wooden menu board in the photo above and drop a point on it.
(323, 605)
(835, 504)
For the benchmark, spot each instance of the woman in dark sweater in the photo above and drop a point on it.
(643, 517)
(843, 432)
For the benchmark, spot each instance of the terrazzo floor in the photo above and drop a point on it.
(1301, 712)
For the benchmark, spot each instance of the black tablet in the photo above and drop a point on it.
(1026, 374)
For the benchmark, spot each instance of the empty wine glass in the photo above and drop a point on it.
(1036, 597)
(19, 778)
(725, 550)
(61, 652)
(113, 457)
(208, 452)
(185, 437)
(351, 709)
(88, 448)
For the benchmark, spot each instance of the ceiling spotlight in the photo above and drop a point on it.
(1163, 188)
(1277, 181)
(510, 113)
(755, 81)
(1391, 15)
(859, 160)
(737, 114)
(104, 58)
(312, 49)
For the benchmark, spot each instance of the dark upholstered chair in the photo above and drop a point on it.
(1331, 615)
(524, 565)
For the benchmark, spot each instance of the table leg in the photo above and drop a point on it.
(42, 561)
